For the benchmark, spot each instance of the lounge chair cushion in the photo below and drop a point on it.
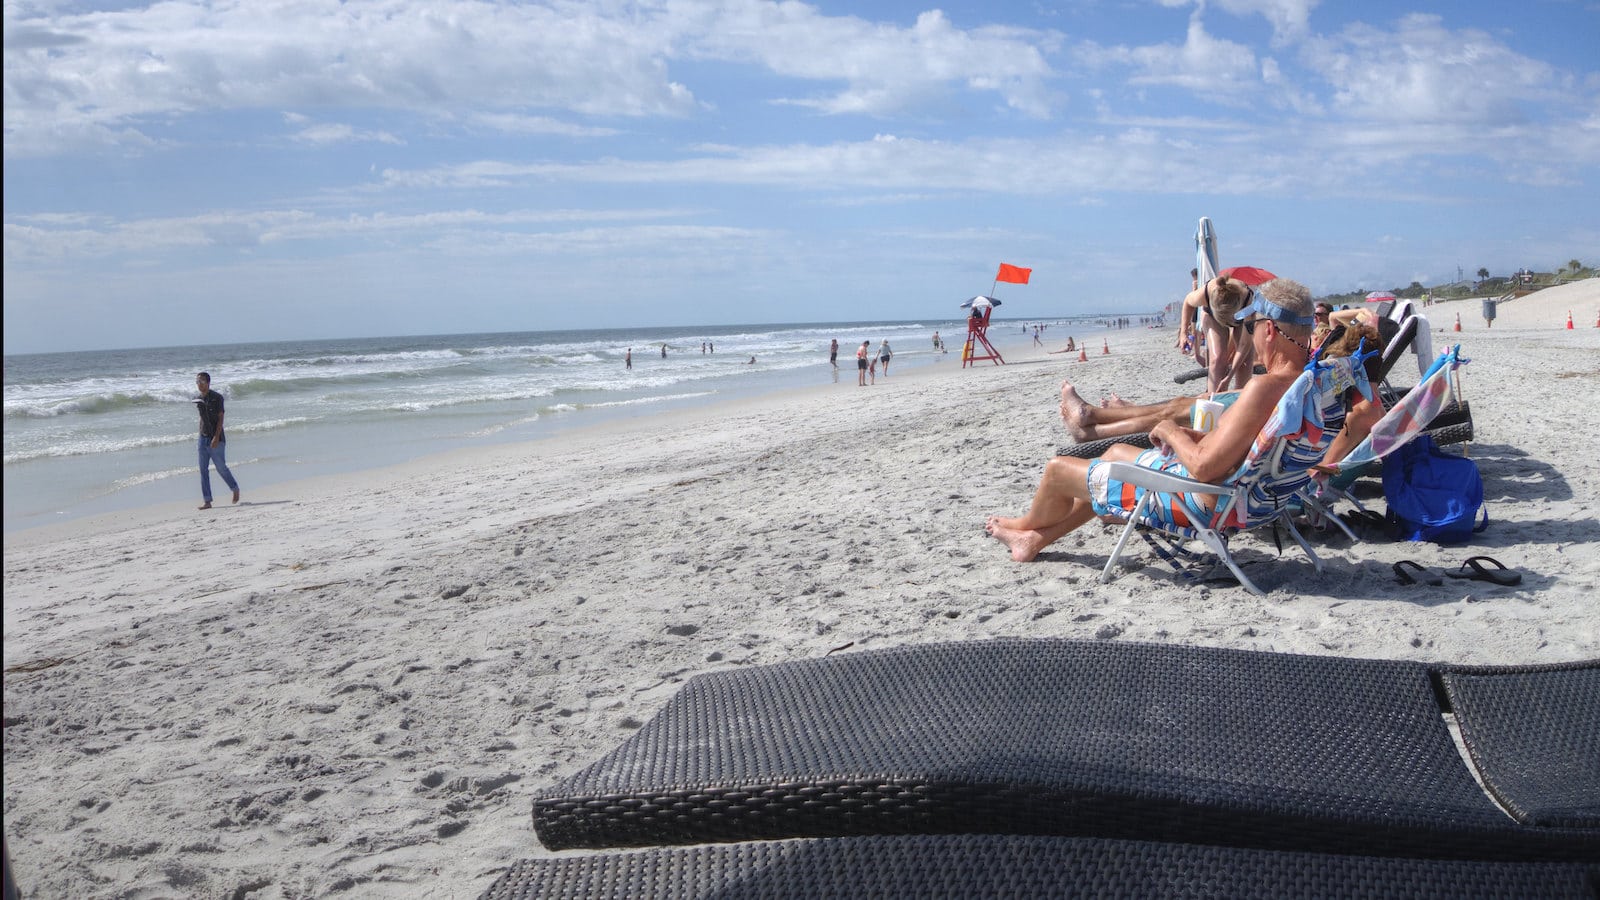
(1535, 737)
(963, 866)
(1115, 740)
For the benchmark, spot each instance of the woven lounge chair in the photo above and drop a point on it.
(923, 867)
(1120, 741)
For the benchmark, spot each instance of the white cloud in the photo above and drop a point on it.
(62, 238)
(107, 75)
(1422, 74)
(517, 123)
(85, 80)
(338, 133)
(885, 68)
(1203, 64)
(1291, 19)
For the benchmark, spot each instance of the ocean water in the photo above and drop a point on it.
(96, 431)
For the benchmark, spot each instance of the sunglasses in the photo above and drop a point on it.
(1250, 324)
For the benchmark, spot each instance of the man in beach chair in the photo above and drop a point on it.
(1273, 475)
(1237, 460)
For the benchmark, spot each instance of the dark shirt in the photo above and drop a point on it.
(210, 407)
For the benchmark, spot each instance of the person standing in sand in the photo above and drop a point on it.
(884, 355)
(861, 364)
(1209, 316)
(213, 441)
(627, 358)
(833, 353)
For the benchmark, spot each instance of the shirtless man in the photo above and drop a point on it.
(1074, 491)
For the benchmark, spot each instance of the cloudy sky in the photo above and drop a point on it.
(191, 172)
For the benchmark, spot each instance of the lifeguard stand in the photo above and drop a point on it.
(978, 346)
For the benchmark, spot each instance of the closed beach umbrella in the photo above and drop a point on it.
(1248, 274)
(1205, 250)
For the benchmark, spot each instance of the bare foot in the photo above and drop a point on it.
(1024, 545)
(206, 505)
(1076, 414)
(236, 495)
(1116, 401)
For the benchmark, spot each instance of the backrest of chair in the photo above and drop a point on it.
(1423, 345)
(1402, 310)
(1411, 414)
(1398, 345)
(1294, 439)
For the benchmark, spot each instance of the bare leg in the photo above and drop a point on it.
(1219, 370)
(1243, 366)
(1091, 423)
(1063, 489)
(1025, 545)
(1077, 414)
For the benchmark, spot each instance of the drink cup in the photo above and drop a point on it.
(1206, 412)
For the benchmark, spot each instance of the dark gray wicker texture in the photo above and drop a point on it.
(1112, 740)
(964, 866)
(1535, 737)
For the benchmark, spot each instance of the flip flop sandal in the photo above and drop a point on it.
(1402, 574)
(1480, 572)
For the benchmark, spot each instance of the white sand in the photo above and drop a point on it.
(355, 685)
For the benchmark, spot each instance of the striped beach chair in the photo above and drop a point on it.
(1276, 470)
(1412, 415)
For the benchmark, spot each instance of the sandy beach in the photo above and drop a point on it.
(353, 686)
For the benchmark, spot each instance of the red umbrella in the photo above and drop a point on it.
(1248, 274)
(1379, 296)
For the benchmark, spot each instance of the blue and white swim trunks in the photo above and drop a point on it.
(1110, 497)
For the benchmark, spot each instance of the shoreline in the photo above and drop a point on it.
(361, 686)
(279, 473)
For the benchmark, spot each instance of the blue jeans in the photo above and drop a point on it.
(219, 456)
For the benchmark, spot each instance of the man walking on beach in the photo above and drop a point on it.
(213, 442)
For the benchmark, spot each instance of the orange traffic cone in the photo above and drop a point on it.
(1105, 349)
(1083, 355)
(1458, 321)
(1569, 320)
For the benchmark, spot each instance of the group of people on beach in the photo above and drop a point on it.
(1276, 326)
(866, 363)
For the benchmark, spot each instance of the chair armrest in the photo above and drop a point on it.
(1150, 479)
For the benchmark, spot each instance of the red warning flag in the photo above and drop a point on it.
(1013, 274)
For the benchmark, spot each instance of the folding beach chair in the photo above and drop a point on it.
(1276, 469)
(1410, 416)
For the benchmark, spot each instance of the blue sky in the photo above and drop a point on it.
(214, 172)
